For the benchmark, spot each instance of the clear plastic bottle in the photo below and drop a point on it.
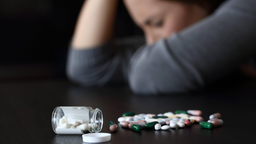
(76, 120)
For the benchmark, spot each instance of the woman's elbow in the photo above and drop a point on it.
(92, 77)
(164, 82)
(74, 75)
(79, 77)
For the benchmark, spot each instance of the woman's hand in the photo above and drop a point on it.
(95, 23)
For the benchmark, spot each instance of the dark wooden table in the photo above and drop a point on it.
(26, 109)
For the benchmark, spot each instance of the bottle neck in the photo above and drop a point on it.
(96, 120)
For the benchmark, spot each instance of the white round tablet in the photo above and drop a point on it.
(96, 137)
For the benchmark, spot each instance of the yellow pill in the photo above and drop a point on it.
(172, 116)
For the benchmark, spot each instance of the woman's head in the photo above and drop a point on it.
(161, 18)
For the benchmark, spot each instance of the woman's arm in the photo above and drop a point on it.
(95, 24)
(197, 56)
(91, 59)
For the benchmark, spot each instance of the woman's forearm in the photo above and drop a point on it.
(95, 24)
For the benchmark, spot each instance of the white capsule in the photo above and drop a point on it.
(168, 113)
(165, 127)
(129, 119)
(65, 118)
(136, 119)
(162, 122)
(149, 115)
(121, 119)
(64, 125)
(216, 115)
(176, 119)
(173, 125)
(75, 122)
(160, 114)
(149, 120)
(82, 127)
(146, 117)
(181, 125)
(157, 126)
(139, 115)
(61, 121)
(72, 127)
(168, 119)
(182, 115)
(89, 126)
(182, 120)
(209, 121)
(173, 121)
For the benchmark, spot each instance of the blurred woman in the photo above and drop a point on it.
(189, 44)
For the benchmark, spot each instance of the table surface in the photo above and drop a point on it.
(26, 109)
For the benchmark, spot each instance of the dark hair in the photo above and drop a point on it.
(214, 4)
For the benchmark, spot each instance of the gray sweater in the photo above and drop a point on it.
(186, 61)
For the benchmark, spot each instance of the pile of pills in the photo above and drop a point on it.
(165, 121)
(64, 123)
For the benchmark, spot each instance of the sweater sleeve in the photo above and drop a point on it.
(199, 55)
(104, 64)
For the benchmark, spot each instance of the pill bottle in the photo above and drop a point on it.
(76, 120)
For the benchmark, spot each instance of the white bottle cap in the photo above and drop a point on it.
(96, 137)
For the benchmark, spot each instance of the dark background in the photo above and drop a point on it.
(34, 38)
(35, 34)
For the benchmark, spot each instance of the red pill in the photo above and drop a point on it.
(187, 122)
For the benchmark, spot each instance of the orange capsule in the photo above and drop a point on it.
(113, 128)
(195, 112)
(124, 124)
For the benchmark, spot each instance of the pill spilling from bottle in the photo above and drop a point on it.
(112, 126)
(167, 120)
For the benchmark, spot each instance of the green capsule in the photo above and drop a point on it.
(180, 112)
(206, 125)
(129, 114)
(156, 117)
(150, 125)
(136, 127)
(110, 123)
